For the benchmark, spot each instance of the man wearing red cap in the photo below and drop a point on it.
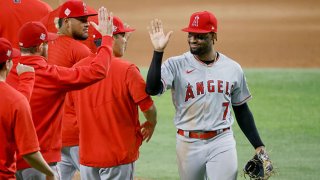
(16, 126)
(17, 12)
(52, 18)
(108, 116)
(52, 83)
(205, 86)
(65, 51)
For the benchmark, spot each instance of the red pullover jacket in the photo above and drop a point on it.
(51, 85)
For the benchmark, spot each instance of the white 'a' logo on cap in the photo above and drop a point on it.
(8, 53)
(84, 8)
(42, 36)
(196, 21)
(114, 28)
(67, 12)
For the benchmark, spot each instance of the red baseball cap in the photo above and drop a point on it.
(202, 22)
(118, 27)
(6, 50)
(75, 8)
(34, 33)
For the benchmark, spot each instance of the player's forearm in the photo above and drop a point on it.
(101, 63)
(154, 84)
(246, 123)
(36, 161)
(151, 115)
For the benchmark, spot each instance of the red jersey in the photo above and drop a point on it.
(65, 51)
(108, 116)
(51, 84)
(70, 127)
(48, 22)
(16, 13)
(17, 132)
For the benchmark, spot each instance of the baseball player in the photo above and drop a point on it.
(17, 12)
(52, 23)
(16, 125)
(205, 85)
(108, 116)
(52, 83)
(65, 51)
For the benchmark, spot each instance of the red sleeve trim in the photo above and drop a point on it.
(245, 100)
(145, 103)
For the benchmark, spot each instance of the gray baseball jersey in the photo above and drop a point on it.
(203, 94)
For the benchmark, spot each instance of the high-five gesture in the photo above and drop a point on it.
(158, 38)
(105, 25)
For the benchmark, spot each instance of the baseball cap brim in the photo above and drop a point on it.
(125, 30)
(52, 36)
(193, 30)
(15, 53)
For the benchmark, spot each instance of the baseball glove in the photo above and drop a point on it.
(259, 167)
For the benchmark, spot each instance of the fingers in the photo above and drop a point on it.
(105, 26)
(169, 35)
(147, 130)
(94, 25)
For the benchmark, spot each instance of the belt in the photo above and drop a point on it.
(201, 134)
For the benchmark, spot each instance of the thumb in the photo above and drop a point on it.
(169, 34)
(94, 25)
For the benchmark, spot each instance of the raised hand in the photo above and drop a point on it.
(128, 34)
(158, 38)
(21, 68)
(105, 25)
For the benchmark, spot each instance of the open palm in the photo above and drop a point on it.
(158, 38)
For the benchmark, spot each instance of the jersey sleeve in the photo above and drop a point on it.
(24, 131)
(79, 77)
(26, 82)
(136, 84)
(240, 93)
(167, 75)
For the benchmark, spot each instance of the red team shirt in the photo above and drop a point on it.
(48, 22)
(65, 51)
(51, 84)
(16, 128)
(108, 112)
(14, 15)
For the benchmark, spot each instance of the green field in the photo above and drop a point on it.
(285, 105)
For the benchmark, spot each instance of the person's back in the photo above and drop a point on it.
(16, 13)
(13, 103)
(109, 109)
(105, 103)
(17, 133)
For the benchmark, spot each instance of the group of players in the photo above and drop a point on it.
(70, 102)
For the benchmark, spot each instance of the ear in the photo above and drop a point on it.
(65, 22)
(40, 48)
(8, 64)
(215, 36)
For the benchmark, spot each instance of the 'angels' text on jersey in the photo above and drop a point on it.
(218, 86)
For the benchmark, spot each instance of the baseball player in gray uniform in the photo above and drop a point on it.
(205, 85)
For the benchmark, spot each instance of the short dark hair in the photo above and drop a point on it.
(30, 50)
(60, 22)
(2, 65)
